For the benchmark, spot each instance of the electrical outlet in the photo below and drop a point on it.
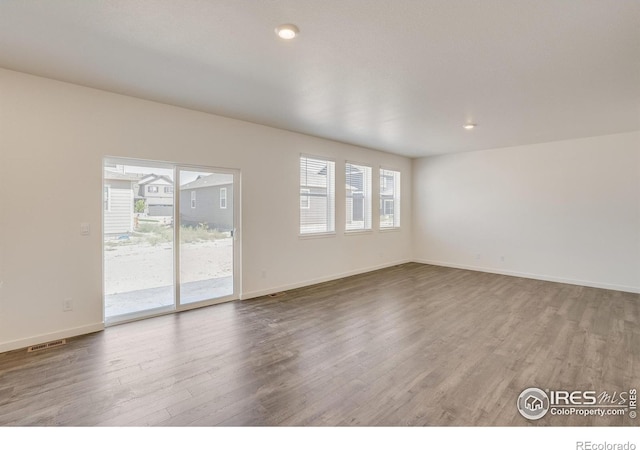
(263, 273)
(67, 305)
(502, 258)
(478, 256)
(85, 229)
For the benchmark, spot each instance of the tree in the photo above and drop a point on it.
(139, 206)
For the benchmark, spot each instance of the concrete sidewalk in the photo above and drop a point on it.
(146, 299)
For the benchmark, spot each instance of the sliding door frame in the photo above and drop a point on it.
(237, 234)
(235, 295)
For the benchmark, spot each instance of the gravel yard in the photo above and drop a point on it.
(138, 265)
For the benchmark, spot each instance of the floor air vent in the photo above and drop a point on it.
(277, 294)
(58, 343)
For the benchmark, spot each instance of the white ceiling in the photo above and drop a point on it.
(401, 76)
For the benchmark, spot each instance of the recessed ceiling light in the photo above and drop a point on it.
(287, 31)
(470, 126)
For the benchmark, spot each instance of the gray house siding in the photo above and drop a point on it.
(160, 210)
(207, 207)
(118, 215)
(315, 214)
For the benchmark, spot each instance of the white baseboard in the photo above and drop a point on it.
(534, 276)
(42, 338)
(288, 287)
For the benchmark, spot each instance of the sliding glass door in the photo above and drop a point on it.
(138, 238)
(206, 234)
(170, 236)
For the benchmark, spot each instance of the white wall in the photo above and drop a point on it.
(53, 137)
(563, 211)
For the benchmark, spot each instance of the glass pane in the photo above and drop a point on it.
(358, 196)
(138, 238)
(206, 235)
(317, 195)
(389, 199)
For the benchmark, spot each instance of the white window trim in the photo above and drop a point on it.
(193, 199)
(322, 234)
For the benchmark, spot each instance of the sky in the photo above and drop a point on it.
(186, 176)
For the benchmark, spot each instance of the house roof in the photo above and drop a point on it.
(153, 179)
(109, 175)
(352, 188)
(215, 179)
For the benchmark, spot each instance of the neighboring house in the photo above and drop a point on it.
(387, 187)
(208, 200)
(315, 211)
(118, 202)
(355, 196)
(157, 192)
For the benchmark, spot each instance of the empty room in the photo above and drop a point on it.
(319, 213)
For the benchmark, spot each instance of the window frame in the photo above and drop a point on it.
(193, 199)
(397, 199)
(331, 200)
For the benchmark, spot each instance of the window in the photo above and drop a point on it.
(193, 199)
(152, 189)
(389, 199)
(317, 195)
(223, 198)
(168, 190)
(358, 192)
(387, 208)
(304, 198)
(107, 198)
